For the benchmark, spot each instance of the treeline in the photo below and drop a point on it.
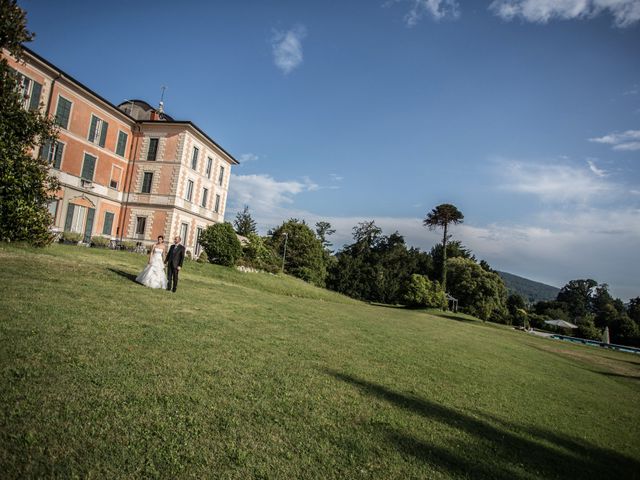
(381, 268)
(375, 267)
(591, 307)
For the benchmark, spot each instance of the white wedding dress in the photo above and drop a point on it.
(153, 275)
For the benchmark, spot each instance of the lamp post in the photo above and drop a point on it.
(284, 254)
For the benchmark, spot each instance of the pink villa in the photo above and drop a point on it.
(127, 172)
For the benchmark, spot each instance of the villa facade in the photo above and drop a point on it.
(127, 172)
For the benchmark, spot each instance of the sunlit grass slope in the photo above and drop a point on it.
(259, 376)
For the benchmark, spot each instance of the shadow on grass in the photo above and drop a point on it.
(453, 316)
(127, 275)
(386, 305)
(497, 449)
(618, 375)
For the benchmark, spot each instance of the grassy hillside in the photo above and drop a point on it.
(528, 289)
(242, 376)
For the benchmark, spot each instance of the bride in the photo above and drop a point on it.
(153, 275)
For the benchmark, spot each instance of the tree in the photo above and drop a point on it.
(441, 217)
(257, 254)
(305, 254)
(454, 249)
(577, 296)
(479, 293)
(516, 307)
(633, 310)
(366, 233)
(376, 267)
(323, 230)
(419, 291)
(221, 244)
(26, 187)
(244, 223)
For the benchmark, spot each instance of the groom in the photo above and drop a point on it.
(174, 260)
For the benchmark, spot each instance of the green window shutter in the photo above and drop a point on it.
(88, 167)
(34, 101)
(122, 143)
(63, 111)
(45, 150)
(103, 133)
(153, 149)
(92, 128)
(146, 182)
(69, 219)
(57, 156)
(91, 212)
(108, 223)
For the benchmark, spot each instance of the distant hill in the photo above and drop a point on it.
(528, 289)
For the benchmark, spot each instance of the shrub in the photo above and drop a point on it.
(257, 254)
(128, 245)
(221, 244)
(71, 237)
(203, 258)
(419, 291)
(100, 242)
(188, 255)
(305, 253)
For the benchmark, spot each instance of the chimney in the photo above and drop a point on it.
(154, 115)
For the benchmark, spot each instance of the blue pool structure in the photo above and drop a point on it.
(595, 343)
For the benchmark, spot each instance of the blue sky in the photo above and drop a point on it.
(523, 113)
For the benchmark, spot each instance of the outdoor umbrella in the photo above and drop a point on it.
(560, 323)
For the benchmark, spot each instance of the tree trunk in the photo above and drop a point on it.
(444, 259)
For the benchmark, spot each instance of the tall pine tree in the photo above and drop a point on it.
(244, 223)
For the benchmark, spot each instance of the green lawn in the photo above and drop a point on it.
(260, 376)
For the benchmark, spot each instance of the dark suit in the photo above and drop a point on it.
(174, 259)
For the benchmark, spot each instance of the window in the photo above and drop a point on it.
(63, 112)
(98, 131)
(216, 207)
(221, 176)
(108, 223)
(54, 155)
(122, 143)
(141, 223)
(189, 190)
(116, 176)
(53, 209)
(75, 220)
(209, 164)
(153, 149)
(146, 182)
(199, 231)
(205, 193)
(29, 91)
(184, 229)
(88, 167)
(194, 158)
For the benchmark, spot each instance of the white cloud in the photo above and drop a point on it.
(248, 157)
(335, 177)
(594, 168)
(287, 48)
(263, 192)
(625, 12)
(629, 146)
(553, 182)
(629, 140)
(553, 246)
(437, 9)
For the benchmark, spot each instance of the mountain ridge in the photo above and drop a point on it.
(530, 290)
